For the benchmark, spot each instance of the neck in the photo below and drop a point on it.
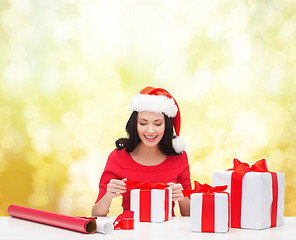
(148, 156)
(143, 150)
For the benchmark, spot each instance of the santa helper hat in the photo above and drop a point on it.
(159, 100)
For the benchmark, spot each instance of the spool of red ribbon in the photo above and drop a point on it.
(124, 221)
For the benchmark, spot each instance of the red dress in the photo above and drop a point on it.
(120, 165)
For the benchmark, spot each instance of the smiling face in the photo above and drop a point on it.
(150, 127)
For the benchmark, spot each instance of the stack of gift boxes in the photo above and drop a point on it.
(241, 197)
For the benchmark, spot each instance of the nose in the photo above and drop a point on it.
(150, 128)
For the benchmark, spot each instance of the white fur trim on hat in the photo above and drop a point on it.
(179, 144)
(154, 103)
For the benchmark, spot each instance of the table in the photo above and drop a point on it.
(177, 228)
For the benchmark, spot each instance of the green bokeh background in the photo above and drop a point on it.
(68, 69)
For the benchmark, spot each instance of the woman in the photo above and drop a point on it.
(150, 153)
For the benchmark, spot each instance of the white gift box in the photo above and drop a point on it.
(257, 197)
(221, 218)
(159, 201)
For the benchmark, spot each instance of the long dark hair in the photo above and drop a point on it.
(133, 139)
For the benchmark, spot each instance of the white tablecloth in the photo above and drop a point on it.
(177, 228)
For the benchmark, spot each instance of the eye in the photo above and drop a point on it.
(142, 124)
(158, 124)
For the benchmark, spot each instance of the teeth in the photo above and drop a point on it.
(150, 137)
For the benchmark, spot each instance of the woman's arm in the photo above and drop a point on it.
(184, 202)
(185, 207)
(115, 188)
(101, 208)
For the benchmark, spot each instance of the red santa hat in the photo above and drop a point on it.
(159, 100)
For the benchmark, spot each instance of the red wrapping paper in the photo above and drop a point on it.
(84, 225)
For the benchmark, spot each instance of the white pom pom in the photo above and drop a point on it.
(179, 144)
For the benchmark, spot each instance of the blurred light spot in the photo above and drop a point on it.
(287, 30)
(64, 158)
(11, 18)
(24, 6)
(278, 157)
(3, 162)
(62, 32)
(237, 81)
(5, 122)
(213, 112)
(41, 139)
(77, 77)
(90, 50)
(50, 81)
(84, 199)
(241, 48)
(69, 119)
(7, 142)
(31, 111)
(15, 73)
(250, 129)
(67, 53)
(38, 199)
(50, 18)
(202, 81)
(214, 29)
(65, 204)
(5, 111)
(274, 79)
(34, 158)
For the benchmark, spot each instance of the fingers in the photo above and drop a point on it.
(116, 187)
(177, 188)
(177, 196)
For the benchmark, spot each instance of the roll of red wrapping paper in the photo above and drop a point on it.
(84, 225)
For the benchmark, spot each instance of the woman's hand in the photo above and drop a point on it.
(176, 191)
(116, 188)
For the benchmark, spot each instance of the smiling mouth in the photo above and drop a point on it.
(150, 137)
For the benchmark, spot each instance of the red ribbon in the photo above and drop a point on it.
(145, 185)
(145, 198)
(145, 205)
(239, 171)
(208, 203)
(124, 221)
(203, 188)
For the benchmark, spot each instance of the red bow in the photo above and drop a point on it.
(145, 185)
(243, 168)
(203, 188)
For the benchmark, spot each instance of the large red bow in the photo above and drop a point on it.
(145, 185)
(243, 168)
(203, 188)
